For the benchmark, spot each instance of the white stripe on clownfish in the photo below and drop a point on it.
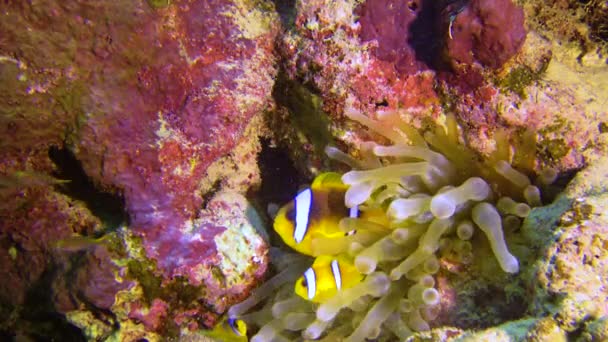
(303, 203)
(311, 282)
(353, 212)
(335, 269)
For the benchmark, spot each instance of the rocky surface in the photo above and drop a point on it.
(129, 133)
(419, 57)
(134, 102)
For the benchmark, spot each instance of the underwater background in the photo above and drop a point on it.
(293, 170)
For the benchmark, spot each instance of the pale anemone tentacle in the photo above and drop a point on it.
(268, 288)
(404, 208)
(506, 170)
(429, 243)
(376, 284)
(338, 155)
(486, 217)
(378, 313)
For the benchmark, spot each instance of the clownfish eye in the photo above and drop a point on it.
(349, 233)
(304, 283)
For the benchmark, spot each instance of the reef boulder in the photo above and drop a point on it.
(200, 74)
(157, 103)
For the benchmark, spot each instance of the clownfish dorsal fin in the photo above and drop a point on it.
(328, 180)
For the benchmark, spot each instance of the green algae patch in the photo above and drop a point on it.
(578, 213)
(539, 227)
(93, 328)
(12, 252)
(546, 329)
(511, 331)
(555, 148)
(156, 4)
(596, 330)
(178, 293)
(521, 77)
(568, 277)
(143, 272)
(305, 113)
(178, 290)
(254, 18)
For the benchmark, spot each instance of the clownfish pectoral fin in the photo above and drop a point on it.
(329, 180)
(272, 210)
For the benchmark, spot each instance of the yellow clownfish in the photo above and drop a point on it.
(314, 212)
(327, 276)
(228, 330)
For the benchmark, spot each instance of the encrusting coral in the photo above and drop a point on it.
(435, 194)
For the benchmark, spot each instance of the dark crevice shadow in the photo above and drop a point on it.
(108, 207)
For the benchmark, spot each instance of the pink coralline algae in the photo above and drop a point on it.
(473, 59)
(396, 54)
(91, 280)
(365, 53)
(151, 318)
(29, 233)
(160, 125)
(412, 34)
(145, 99)
(404, 32)
(179, 112)
(485, 31)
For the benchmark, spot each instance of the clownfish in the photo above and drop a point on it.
(228, 330)
(314, 212)
(327, 276)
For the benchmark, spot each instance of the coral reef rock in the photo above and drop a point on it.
(148, 100)
(380, 55)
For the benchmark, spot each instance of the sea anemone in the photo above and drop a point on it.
(435, 193)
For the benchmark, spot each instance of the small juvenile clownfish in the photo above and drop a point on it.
(327, 276)
(228, 330)
(238, 327)
(314, 212)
